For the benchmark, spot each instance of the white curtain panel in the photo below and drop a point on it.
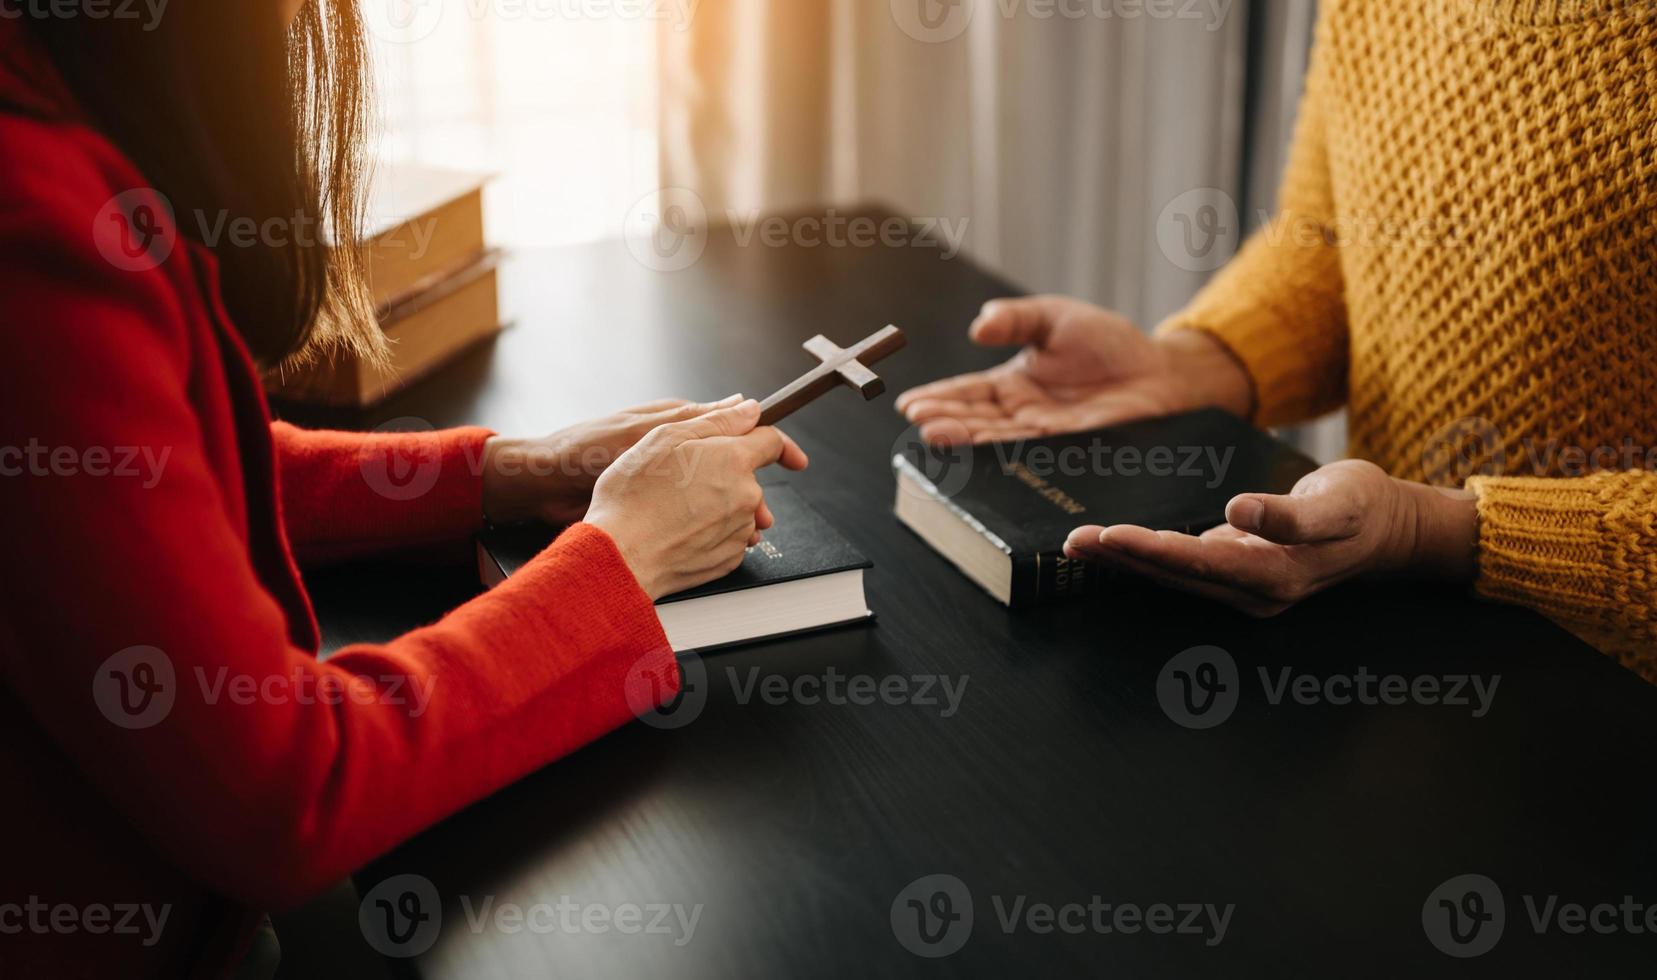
(1059, 131)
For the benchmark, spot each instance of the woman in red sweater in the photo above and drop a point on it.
(178, 760)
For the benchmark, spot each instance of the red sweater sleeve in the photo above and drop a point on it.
(346, 494)
(257, 780)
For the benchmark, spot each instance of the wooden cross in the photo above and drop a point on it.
(849, 367)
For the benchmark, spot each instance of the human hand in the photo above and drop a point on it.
(1082, 367)
(551, 479)
(683, 505)
(1343, 520)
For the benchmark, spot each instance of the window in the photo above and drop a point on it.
(557, 100)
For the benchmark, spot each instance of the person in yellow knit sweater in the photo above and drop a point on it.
(1466, 259)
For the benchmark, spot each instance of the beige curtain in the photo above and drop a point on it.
(1058, 131)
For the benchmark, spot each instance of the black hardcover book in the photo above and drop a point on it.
(1001, 512)
(803, 576)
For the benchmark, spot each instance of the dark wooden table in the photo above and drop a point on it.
(1061, 779)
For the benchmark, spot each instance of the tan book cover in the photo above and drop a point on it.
(426, 330)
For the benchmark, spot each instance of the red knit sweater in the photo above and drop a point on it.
(148, 502)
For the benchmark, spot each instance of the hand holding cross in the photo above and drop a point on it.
(849, 367)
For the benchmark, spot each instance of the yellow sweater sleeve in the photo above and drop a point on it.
(1583, 551)
(1279, 304)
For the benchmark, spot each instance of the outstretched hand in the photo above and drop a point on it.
(1344, 520)
(1081, 367)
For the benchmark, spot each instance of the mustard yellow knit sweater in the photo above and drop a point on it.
(1466, 258)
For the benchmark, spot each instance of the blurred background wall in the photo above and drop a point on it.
(1115, 150)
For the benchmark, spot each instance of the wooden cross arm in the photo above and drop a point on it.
(849, 367)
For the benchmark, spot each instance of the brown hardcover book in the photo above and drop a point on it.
(426, 330)
(423, 223)
(433, 280)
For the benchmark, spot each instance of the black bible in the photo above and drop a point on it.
(804, 576)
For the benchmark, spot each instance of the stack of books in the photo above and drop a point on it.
(434, 283)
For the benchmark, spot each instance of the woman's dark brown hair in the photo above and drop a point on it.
(233, 113)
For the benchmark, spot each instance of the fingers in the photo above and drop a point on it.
(1013, 322)
(1323, 514)
(1217, 560)
(975, 387)
(971, 431)
(730, 421)
(946, 432)
(764, 520)
(767, 445)
(927, 409)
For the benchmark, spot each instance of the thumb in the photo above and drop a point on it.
(1012, 322)
(736, 420)
(1325, 514)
